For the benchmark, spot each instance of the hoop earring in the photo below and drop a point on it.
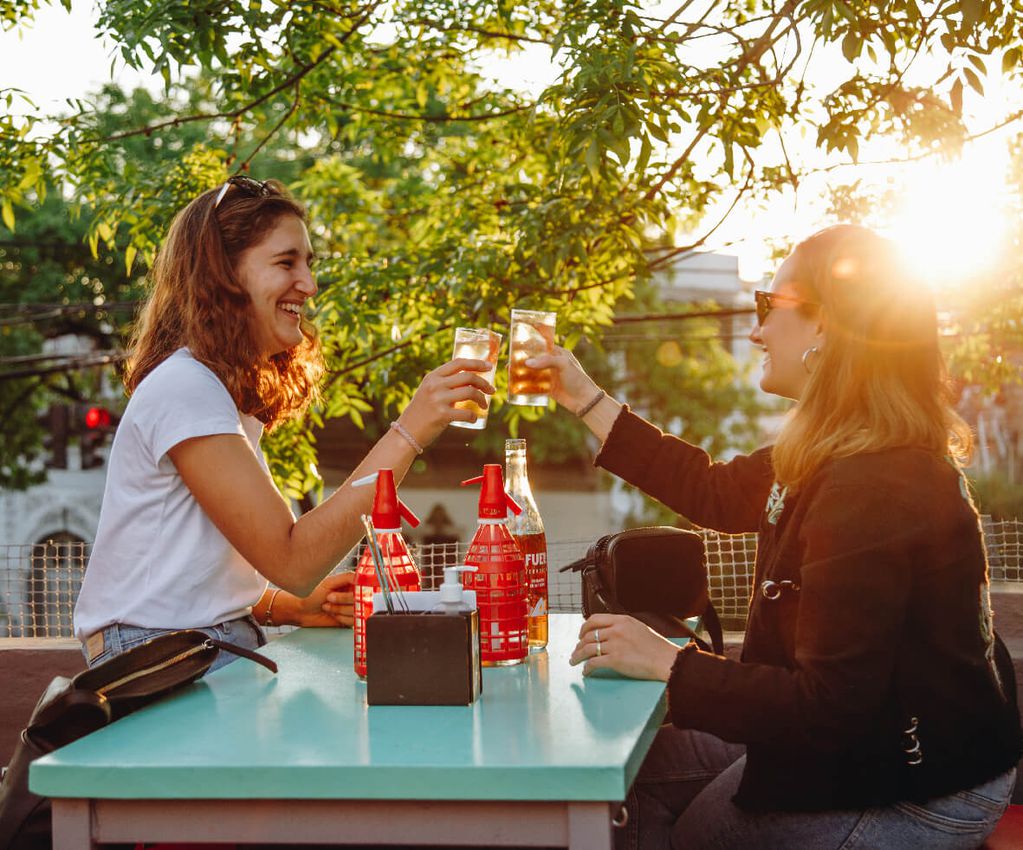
(806, 357)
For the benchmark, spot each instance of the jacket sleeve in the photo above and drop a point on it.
(728, 497)
(856, 583)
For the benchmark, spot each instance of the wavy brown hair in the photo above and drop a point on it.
(196, 301)
(879, 381)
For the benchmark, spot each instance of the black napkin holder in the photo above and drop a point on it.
(421, 658)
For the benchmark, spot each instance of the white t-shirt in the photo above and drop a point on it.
(158, 561)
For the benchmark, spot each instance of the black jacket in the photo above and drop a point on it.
(874, 675)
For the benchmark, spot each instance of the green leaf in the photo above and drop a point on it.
(592, 159)
(955, 97)
(972, 11)
(851, 46)
(973, 80)
(1010, 60)
(129, 259)
(7, 211)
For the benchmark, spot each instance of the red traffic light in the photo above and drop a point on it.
(97, 417)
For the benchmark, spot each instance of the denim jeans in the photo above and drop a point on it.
(682, 799)
(244, 632)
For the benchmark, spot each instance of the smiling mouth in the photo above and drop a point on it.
(292, 309)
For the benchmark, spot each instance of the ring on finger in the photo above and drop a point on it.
(598, 648)
(596, 635)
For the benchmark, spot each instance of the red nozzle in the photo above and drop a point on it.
(406, 514)
(494, 501)
(388, 509)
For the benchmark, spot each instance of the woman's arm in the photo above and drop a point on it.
(856, 585)
(238, 495)
(330, 604)
(728, 497)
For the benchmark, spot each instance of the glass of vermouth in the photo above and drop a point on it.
(532, 334)
(477, 344)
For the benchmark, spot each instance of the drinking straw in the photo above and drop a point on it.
(386, 568)
(378, 561)
(399, 593)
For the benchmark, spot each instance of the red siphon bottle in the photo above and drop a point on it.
(527, 529)
(401, 571)
(500, 577)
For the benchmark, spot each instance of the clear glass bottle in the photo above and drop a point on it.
(527, 529)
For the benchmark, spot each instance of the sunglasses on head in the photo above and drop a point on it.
(254, 188)
(765, 302)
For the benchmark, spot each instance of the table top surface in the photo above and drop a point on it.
(539, 731)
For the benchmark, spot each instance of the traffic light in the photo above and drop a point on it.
(96, 422)
(55, 423)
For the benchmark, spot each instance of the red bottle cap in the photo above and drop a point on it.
(388, 509)
(494, 501)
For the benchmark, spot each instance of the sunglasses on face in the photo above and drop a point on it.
(254, 188)
(767, 301)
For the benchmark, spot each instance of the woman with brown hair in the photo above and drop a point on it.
(873, 706)
(192, 532)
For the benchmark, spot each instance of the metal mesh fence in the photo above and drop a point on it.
(1004, 540)
(39, 583)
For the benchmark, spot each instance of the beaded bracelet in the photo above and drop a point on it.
(267, 617)
(593, 403)
(412, 441)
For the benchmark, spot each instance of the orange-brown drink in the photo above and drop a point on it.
(477, 344)
(532, 334)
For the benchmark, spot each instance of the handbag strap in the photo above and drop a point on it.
(240, 651)
(710, 622)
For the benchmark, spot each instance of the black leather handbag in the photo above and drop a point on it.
(72, 708)
(656, 574)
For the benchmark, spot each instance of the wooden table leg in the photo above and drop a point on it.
(589, 826)
(72, 825)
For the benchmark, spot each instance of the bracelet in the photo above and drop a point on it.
(593, 403)
(267, 618)
(412, 441)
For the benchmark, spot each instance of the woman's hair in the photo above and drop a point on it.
(196, 300)
(879, 379)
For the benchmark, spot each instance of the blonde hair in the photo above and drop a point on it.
(879, 379)
(197, 301)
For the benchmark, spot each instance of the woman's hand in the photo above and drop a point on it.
(330, 604)
(431, 409)
(570, 385)
(625, 645)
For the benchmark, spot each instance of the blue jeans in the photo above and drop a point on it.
(244, 632)
(682, 799)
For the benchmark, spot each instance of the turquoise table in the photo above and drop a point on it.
(541, 760)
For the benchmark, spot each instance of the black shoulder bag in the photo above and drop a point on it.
(657, 575)
(72, 708)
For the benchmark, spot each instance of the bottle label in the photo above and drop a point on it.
(534, 551)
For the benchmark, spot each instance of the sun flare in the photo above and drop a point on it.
(951, 219)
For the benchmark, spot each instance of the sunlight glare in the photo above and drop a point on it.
(951, 223)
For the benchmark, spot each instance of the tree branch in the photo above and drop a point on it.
(262, 143)
(337, 373)
(293, 80)
(422, 22)
(750, 56)
(663, 259)
(436, 119)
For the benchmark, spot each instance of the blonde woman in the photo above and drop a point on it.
(873, 706)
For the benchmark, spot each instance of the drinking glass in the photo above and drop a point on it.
(477, 344)
(532, 334)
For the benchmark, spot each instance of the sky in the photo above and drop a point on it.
(943, 205)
